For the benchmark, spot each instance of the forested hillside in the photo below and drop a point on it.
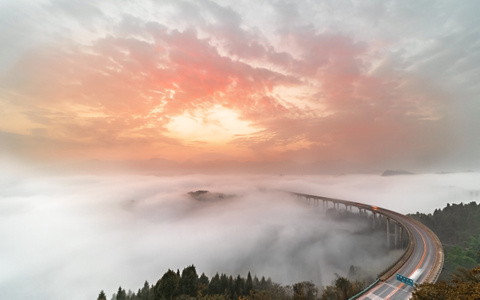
(464, 284)
(458, 228)
(187, 285)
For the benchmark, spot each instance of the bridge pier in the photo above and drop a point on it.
(388, 233)
(400, 236)
(395, 237)
(396, 234)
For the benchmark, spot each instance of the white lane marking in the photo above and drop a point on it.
(390, 285)
(372, 296)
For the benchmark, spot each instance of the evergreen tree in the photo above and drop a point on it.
(215, 285)
(121, 294)
(203, 283)
(263, 284)
(144, 293)
(167, 286)
(248, 284)
(224, 284)
(231, 288)
(256, 283)
(203, 279)
(239, 285)
(102, 296)
(189, 281)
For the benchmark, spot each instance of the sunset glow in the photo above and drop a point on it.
(218, 125)
(182, 80)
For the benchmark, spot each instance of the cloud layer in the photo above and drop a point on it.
(72, 236)
(375, 84)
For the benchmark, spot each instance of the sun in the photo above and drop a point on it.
(217, 125)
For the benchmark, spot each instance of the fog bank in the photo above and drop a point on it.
(72, 236)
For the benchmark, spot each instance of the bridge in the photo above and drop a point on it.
(421, 262)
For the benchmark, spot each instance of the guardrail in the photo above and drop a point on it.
(364, 290)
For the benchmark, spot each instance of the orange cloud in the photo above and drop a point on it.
(151, 91)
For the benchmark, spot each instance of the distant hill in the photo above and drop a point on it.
(396, 172)
(206, 196)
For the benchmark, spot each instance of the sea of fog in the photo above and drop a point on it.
(70, 236)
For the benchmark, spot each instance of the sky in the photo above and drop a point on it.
(350, 86)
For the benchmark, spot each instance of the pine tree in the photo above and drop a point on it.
(102, 296)
(248, 284)
(239, 285)
(203, 283)
(215, 285)
(121, 294)
(167, 286)
(189, 281)
(144, 293)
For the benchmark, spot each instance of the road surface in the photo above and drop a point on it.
(420, 266)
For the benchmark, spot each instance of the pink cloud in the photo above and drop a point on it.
(133, 82)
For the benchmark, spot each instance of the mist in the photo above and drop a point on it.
(71, 236)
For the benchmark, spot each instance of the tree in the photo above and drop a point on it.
(464, 275)
(167, 286)
(102, 296)
(274, 292)
(215, 285)
(248, 284)
(330, 292)
(203, 285)
(304, 290)
(121, 294)
(428, 291)
(144, 293)
(189, 281)
(342, 289)
(465, 284)
(344, 286)
(239, 285)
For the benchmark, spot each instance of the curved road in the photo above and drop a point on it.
(423, 265)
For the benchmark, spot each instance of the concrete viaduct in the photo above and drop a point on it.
(421, 261)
